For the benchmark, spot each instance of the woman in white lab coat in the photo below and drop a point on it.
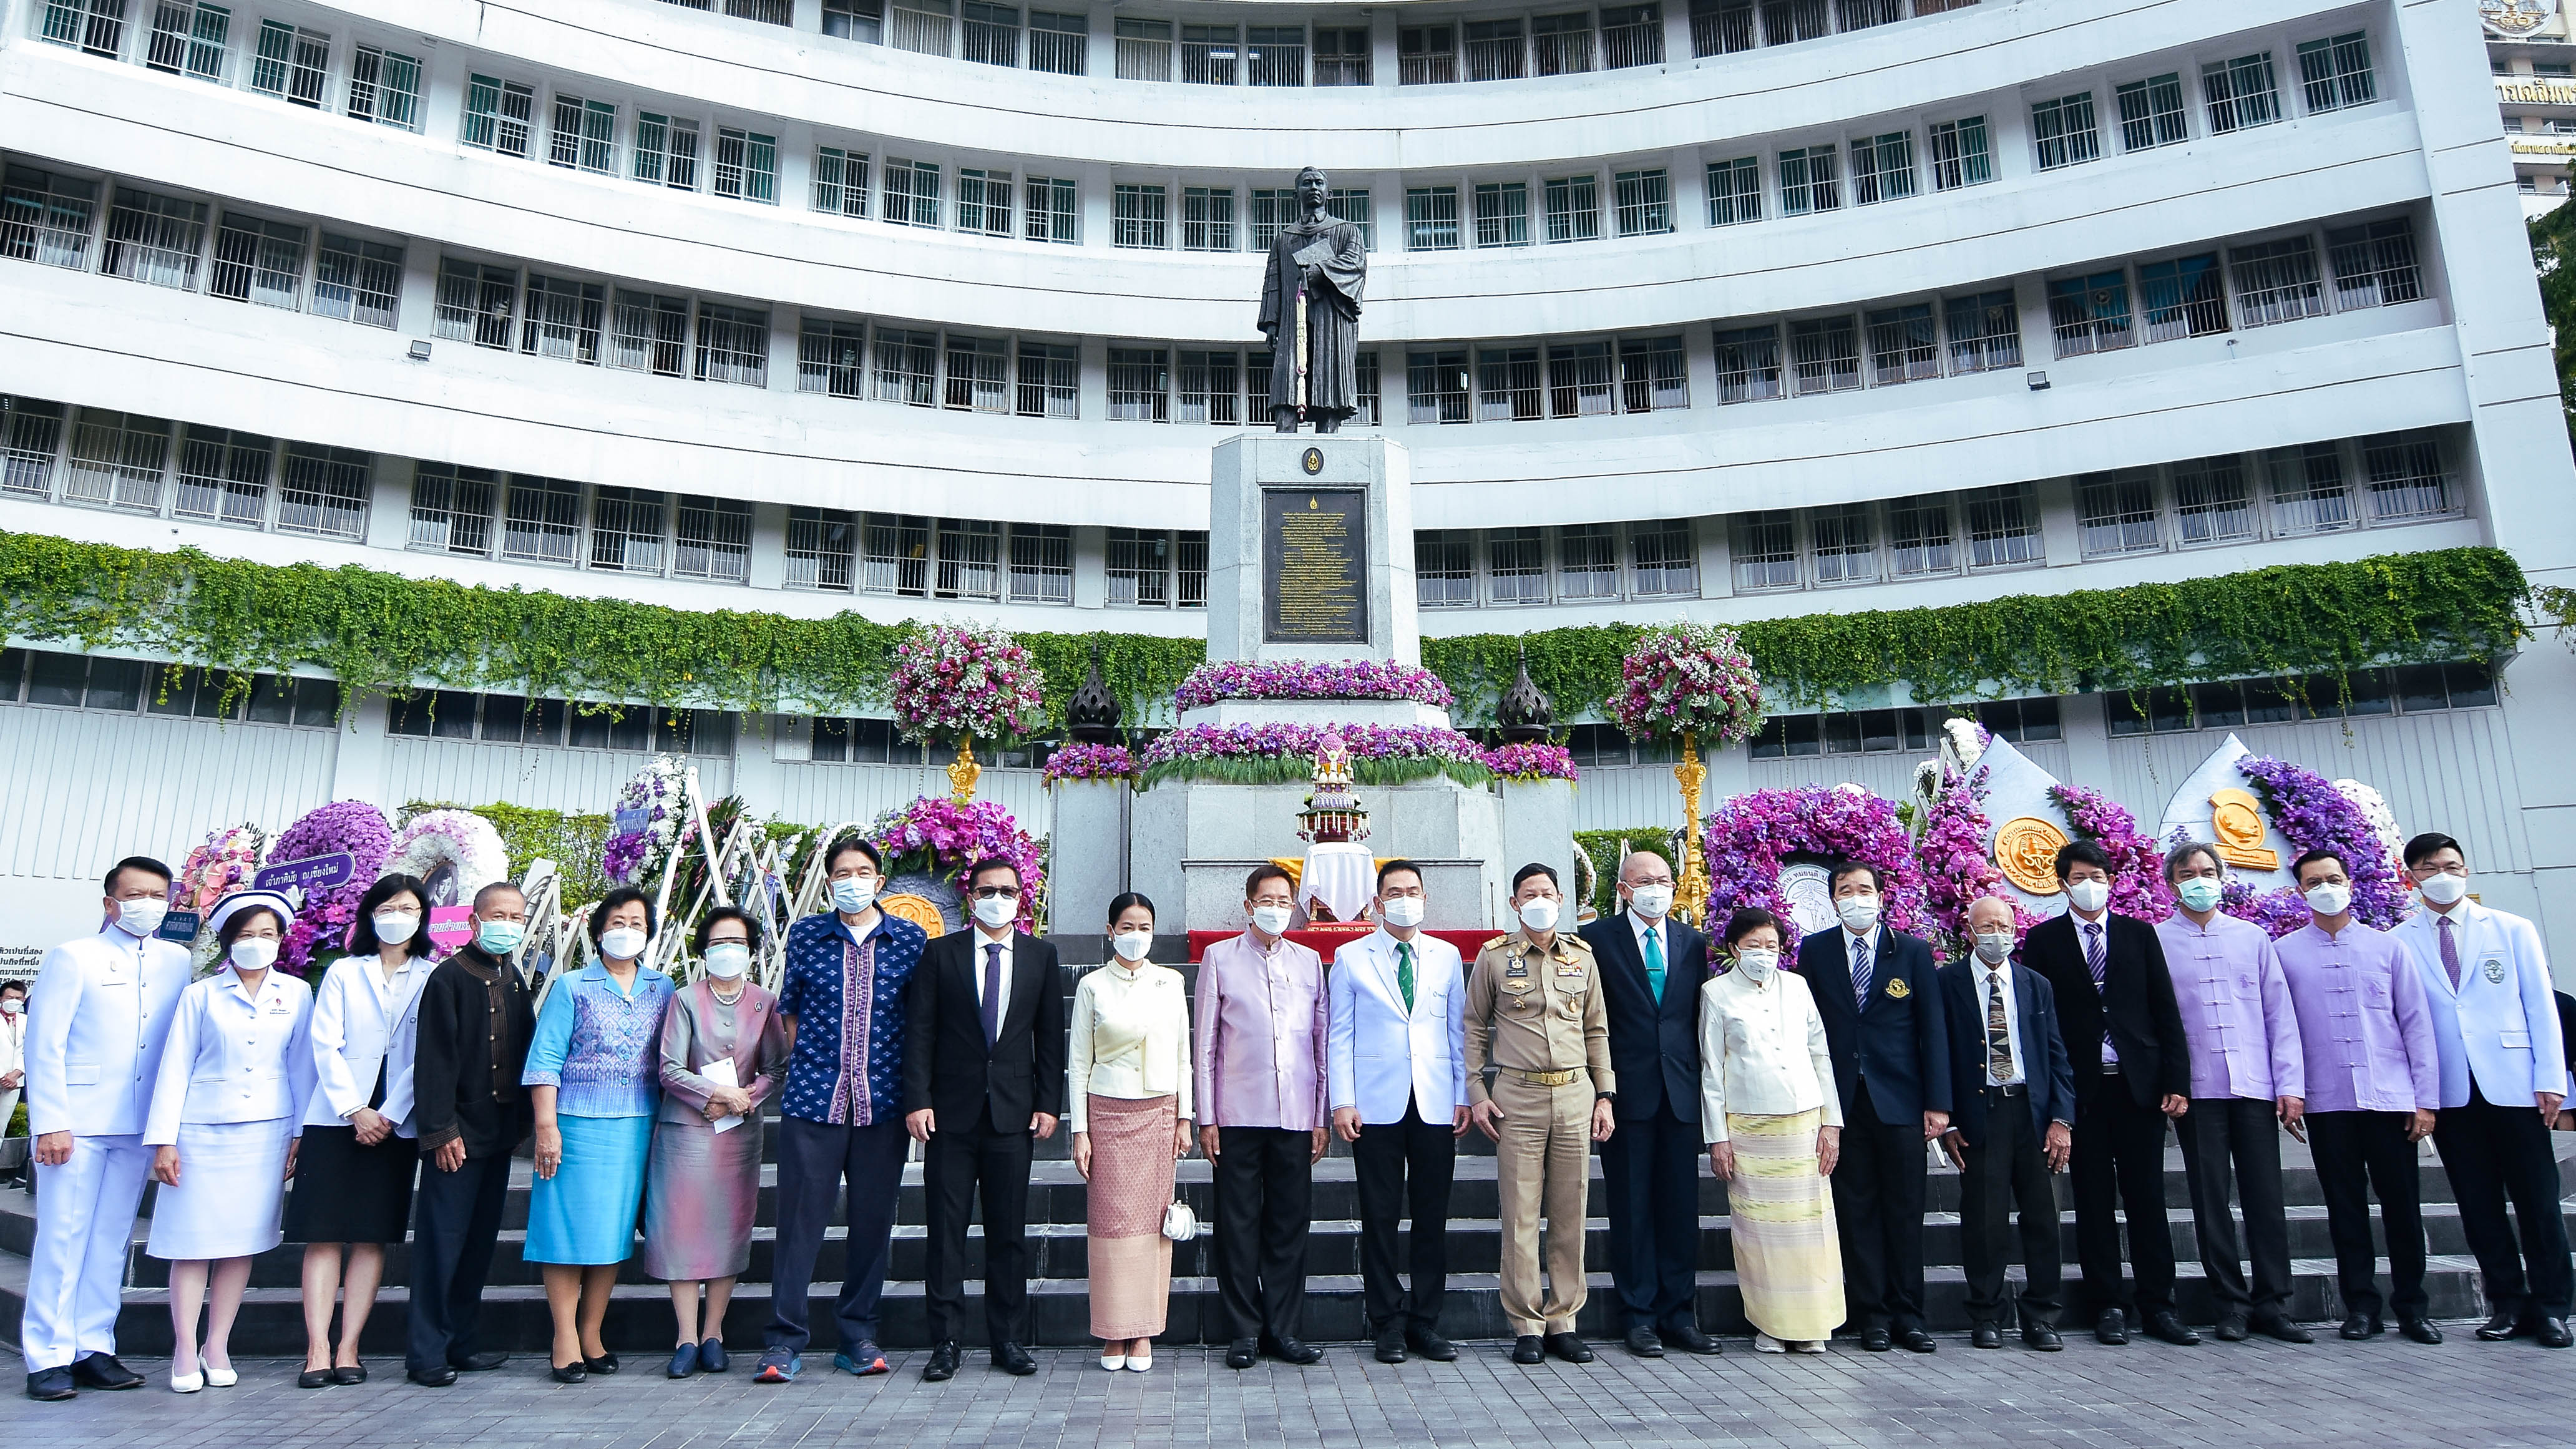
(355, 1167)
(226, 1111)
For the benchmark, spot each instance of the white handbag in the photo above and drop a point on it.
(1180, 1224)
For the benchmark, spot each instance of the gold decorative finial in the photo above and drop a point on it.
(963, 773)
(1690, 894)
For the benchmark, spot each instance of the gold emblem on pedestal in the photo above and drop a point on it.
(2026, 850)
(917, 909)
(2236, 818)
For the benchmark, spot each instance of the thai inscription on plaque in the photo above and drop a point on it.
(1315, 555)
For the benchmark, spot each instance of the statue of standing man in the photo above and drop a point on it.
(1310, 311)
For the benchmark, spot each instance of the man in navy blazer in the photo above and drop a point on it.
(1651, 969)
(1881, 1006)
(2014, 1125)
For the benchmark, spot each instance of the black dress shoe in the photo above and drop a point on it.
(355, 1373)
(53, 1385)
(1688, 1339)
(1293, 1350)
(942, 1365)
(1569, 1348)
(2419, 1329)
(1529, 1348)
(1915, 1340)
(603, 1365)
(1242, 1353)
(479, 1363)
(2167, 1326)
(1014, 1360)
(2362, 1325)
(315, 1379)
(2505, 1324)
(432, 1378)
(2278, 1326)
(2231, 1329)
(1390, 1348)
(1985, 1335)
(1428, 1343)
(2041, 1337)
(1642, 1342)
(571, 1373)
(1876, 1340)
(102, 1371)
(2552, 1333)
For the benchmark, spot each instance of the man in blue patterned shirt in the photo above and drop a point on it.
(841, 1115)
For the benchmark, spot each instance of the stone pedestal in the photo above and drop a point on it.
(1087, 865)
(1538, 826)
(1195, 841)
(1255, 477)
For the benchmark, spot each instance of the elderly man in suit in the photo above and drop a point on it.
(2013, 1125)
(983, 1080)
(1396, 1050)
(2504, 1073)
(1651, 968)
(1881, 1006)
(2124, 1033)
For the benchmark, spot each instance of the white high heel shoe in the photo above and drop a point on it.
(187, 1383)
(1141, 1362)
(221, 1378)
(1113, 1361)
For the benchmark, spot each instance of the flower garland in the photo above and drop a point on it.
(1689, 676)
(1531, 762)
(1956, 863)
(938, 836)
(435, 839)
(351, 825)
(1752, 836)
(1302, 679)
(223, 864)
(1090, 762)
(954, 681)
(2137, 866)
(1247, 754)
(2312, 814)
(646, 822)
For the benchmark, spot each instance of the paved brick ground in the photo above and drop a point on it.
(2352, 1396)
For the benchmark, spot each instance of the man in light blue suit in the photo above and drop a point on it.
(1397, 1065)
(2504, 1072)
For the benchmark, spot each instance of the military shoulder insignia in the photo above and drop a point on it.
(1489, 945)
(1897, 990)
(2495, 970)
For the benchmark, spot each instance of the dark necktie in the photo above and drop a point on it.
(992, 993)
(1999, 1057)
(1655, 963)
(2093, 961)
(2450, 953)
(1860, 972)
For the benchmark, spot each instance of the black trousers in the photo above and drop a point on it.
(2231, 1147)
(2005, 1172)
(2493, 1151)
(2119, 1165)
(1651, 1167)
(954, 1164)
(814, 1159)
(1878, 1211)
(1399, 1162)
(2349, 1146)
(456, 1221)
(1265, 1180)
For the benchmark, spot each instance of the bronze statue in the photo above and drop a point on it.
(1310, 311)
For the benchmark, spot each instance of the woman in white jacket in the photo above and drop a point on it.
(355, 1168)
(226, 1111)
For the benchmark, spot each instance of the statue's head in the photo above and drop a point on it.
(1311, 186)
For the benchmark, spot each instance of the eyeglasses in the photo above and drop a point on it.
(996, 893)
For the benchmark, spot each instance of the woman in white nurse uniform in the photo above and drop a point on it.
(225, 1115)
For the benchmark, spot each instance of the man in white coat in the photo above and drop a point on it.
(1397, 1045)
(2504, 1072)
(96, 1024)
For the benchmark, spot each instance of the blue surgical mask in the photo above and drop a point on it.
(2200, 893)
(499, 938)
(853, 894)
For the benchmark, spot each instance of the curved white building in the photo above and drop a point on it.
(920, 308)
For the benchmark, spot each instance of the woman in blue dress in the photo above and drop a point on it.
(594, 1079)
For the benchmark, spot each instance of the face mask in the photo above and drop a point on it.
(143, 917)
(1994, 946)
(1650, 901)
(1403, 911)
(1859, 913)
(853, 895)
(622, 944)
(253, 953)
(1131, 946)
(2088, 895)
(1757, 965)
(2329, 900)
(727, 960)
(1271, 919)
(12, 1007)
(1539, 914)
(2444, 889)
(392, 928)
(499, 938)
(996, 911)
(2200, 893)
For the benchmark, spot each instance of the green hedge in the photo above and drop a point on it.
(1603, 848)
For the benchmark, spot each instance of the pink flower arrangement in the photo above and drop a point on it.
(2312, 814)
(1531, 762)
(1090, 762)
(1302, 679)
(351, 825)
(938, 836)
(223, 864)
(2137, 865)
(1752, 836)
(1957, 868)
(1273, 753)
(1689, 676)
(953, 681)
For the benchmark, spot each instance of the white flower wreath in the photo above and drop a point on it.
(435, 839)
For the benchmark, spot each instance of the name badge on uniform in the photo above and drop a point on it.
(280, 1008)
(1518, 970)
(2494, 970)
(1897, 990)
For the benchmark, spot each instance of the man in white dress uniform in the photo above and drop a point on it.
(96, 1023)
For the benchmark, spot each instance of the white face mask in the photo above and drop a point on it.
(1994, 946)
(2089, 895)
(624, 943)
(1757, 965)
(12, 1007)
(853, 894)
(727, 960)
(2329, 900)
(254, 953)
(395, 927)
(1401, 911)
(2444, 889)
(1650, 901)
(1539, 913)
(1131, 946)
(1859, 913)
(1271, 919)
(143, 917)
(996, 911)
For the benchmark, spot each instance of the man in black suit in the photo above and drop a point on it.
(2015, 1096)
(1651, 968)
(1881, 1006)
(2115, 1003)
(983, 1077)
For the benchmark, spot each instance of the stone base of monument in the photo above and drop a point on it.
(1195, 841)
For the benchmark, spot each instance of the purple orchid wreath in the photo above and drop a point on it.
(1527, 762)
(2313, 814)
(2137, 866)
(1305, 679)
(1090, 762)
(1752, 836)
(1957, 868)
(351, 825)
(937, 836)
(1250, 754)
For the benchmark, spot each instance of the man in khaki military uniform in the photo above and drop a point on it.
(1534, 1012)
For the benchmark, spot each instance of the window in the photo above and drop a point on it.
(1435, 387)
(1785, 22)
(563, 319)
(116, 459)
(1052, 215)
(1904, 345)
(2151, 113)
(1748, 364)
(46, 217)
(1661, 559)
(1426, 55)
(2226, 704)
(1845, 545)
(1502, 214)
(542, 523)
(1645, 201)
(1735, 191)
(1144, 49)
(970, 559)
(154, 238)
(2407, 479)
(497, 114)
(1207, 219)
(907, 367)
(1355, 205)
(188, 38)
(1211, 388)
(922, 26)
(1631, 35)
(323, 491)
(2063, 129)
(2336, 73)
(384, 87)
(666, 154)
(1862, 14)
(1208, 54)
(477, 304)
(649, 334)
(2184, 297)
(1765, 550)
(97, 26)
(1494, 50)
(1882, 168)
(822, 547)
(992, 33)
(1918, 537)
(1271, 210)
(747, 168)
(1562, 44)
(1578, 380)
(584, 136)
(1139, 568)
(1985, 331)
(1275, 55)
(855, 19)
(2003, 526)
(1140, 385)
(1371, 400)
(1342, 56)
(2308, 490)
(2117, 512)
(2090, 314)
(712, 539)
(1653, 375)
(1959, 156)
(1059, 44)
(1515, 566)
(2211, 501)
(1507, 388)
(2374, 263)
(615, 728)
(258, 261)
(983, 201)
(451, 509)
(979, 374)
(1431, 218)
(1573, 209)
(223, 476)
(2240, 93)
(831, 357)
(1050, 380)
(1142, 218)
(1587, 561)
(733, 345)
(912, 193)
(1807, 181)
(1824, 354)
(1190, 566)
(1872, 732)
(2276, 282)
(1444, 568)
(30, 432)
(1041, 563)
(626, 529)
(1721, 27)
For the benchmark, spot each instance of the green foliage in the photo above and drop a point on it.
(2553, 247)
(572, 842)
(1603, 847)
